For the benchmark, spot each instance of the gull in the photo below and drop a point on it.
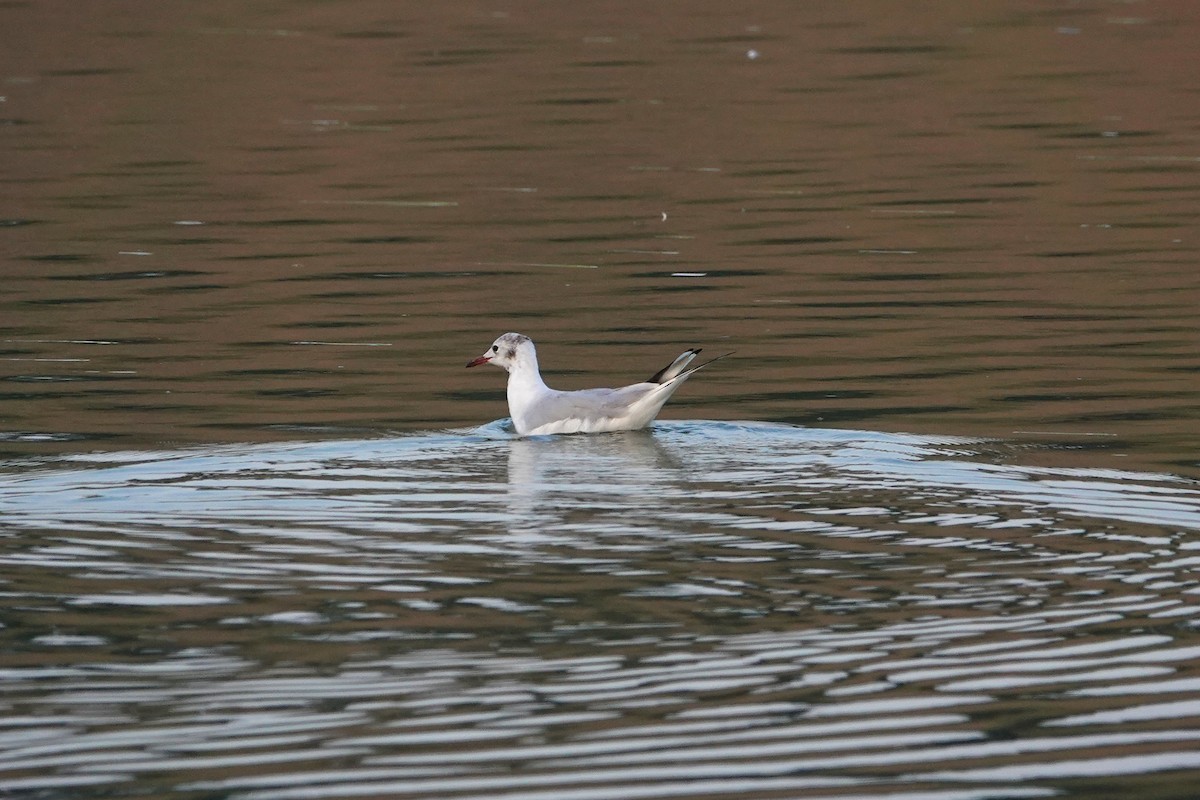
(537, 409)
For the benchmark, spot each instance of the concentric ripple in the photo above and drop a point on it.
(703, 610)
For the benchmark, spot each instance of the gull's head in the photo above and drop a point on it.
(508, 351)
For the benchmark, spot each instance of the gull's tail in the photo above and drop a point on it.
(676, 368)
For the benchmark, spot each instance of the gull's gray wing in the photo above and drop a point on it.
(591, 404)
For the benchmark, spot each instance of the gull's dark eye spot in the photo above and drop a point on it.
(495, 348)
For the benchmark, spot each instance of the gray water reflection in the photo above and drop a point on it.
(704, 609)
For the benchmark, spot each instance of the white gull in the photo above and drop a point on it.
(537, 409)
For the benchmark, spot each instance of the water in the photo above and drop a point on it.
(703, 609)
(241, 224)
(930, 533)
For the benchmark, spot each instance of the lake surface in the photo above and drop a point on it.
(930, 533)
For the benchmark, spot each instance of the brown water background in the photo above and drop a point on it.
(958, 218)
(929, 535)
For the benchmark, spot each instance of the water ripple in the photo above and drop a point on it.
(704, 609)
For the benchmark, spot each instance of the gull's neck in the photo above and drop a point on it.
(525, 386)
(524, 374)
